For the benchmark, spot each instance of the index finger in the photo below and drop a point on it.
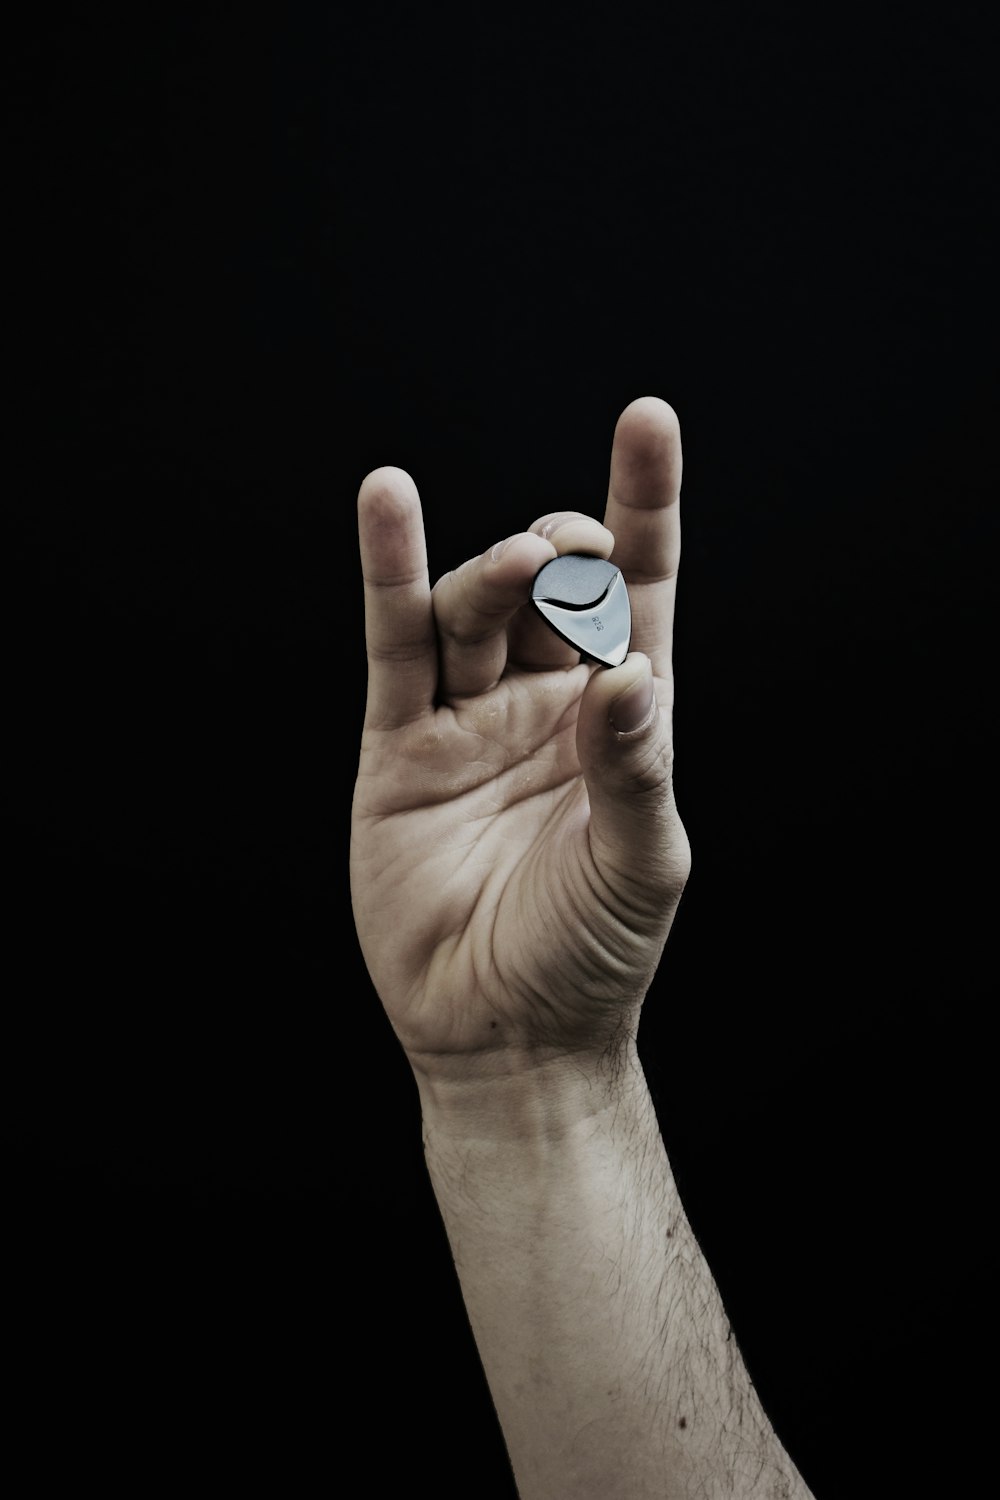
(400, 637)
(643, 513)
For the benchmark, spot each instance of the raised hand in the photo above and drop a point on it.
(516, 853)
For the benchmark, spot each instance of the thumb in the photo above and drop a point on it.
(624, 743)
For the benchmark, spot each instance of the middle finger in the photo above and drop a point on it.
(481, 608)
(472, 608)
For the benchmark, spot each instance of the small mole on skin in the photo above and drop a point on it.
(493, 1026)
(682, 1422)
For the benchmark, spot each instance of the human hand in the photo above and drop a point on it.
(517, 856)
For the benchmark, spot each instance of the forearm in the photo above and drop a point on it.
(602, 1335)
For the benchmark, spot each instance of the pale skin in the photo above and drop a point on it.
(517, 860)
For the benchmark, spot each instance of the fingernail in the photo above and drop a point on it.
(501, 548)
(634, 708)
(553, 524)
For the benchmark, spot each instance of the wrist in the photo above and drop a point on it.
(526, 1097)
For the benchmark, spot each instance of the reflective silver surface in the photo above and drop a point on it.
(585, 601)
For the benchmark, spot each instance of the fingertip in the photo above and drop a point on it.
(646, 470)
(389, 517)
(651, 415)
(390, 526)
(632, 707)
(572, 531)
(623, 697)
(520, 556)
(388, 489)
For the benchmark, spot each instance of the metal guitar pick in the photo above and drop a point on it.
(585, 601)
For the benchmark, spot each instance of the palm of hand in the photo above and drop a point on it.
(475, 896)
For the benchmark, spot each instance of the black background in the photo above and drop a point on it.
(252, 256)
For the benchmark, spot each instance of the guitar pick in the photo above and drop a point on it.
(585, 601)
